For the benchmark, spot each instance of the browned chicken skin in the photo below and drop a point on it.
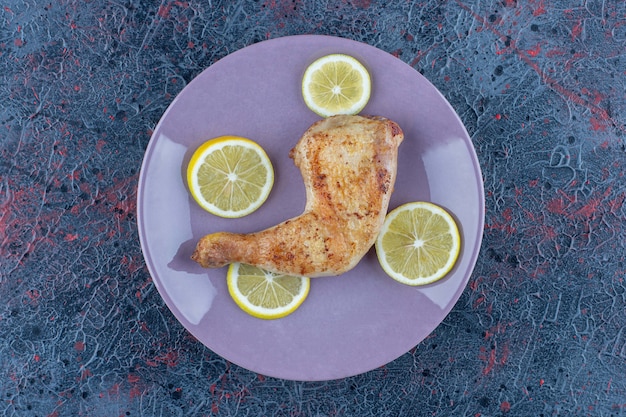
(349, 166)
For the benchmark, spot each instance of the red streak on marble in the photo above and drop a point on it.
(132, 264)
(34, 296)
(421, 54)
(541, 9)
(114, 390)
(491, 362)
(70, 237)
(134, 393)
(598, 125)
(170, 359)
(164, 10)
(478, 301)
(555, 52)
(362, 4)
(535, 51)
(505, 354)
(505, 406)
(85, 373)
(100, 144)
(588, 210)
(557, 206)
(577, 29)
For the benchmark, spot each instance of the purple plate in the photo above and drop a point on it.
(351, 323)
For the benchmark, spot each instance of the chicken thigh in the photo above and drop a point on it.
(348, 164)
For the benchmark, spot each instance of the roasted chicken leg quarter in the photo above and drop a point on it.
(348, 164)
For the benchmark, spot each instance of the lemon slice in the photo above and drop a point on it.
(265, 294)
(336, 84)
(230, 176)
(418, 244)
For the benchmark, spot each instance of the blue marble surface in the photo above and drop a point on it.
(540, 329)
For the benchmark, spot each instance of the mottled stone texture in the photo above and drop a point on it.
(539, 331)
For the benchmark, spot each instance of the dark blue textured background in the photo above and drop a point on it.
(540, 329)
